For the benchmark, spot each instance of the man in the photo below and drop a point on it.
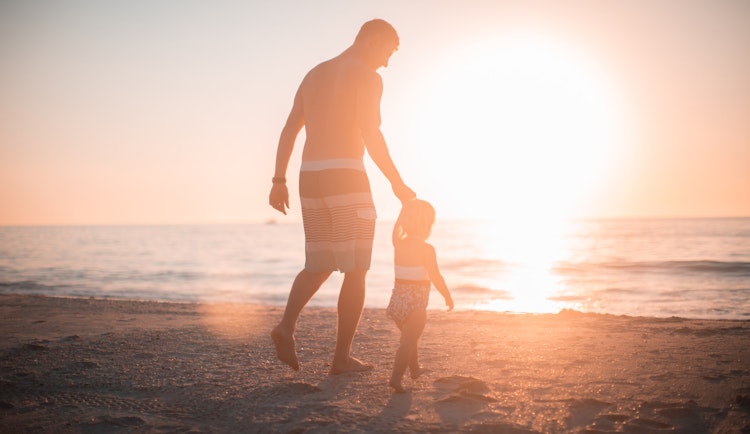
(338, 103)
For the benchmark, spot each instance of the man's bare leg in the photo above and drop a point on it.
(305, 285)
(350, 306)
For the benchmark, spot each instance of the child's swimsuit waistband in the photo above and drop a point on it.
(410, 273)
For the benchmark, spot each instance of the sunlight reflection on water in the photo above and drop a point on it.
(530, 252)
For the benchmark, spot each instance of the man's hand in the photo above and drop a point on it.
(279, 197)
(403, 193)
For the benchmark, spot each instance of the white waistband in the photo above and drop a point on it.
(340, 163)
(411, 273)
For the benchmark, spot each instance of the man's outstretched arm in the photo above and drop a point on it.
(378, 150)
(279, 196)
(369, 120)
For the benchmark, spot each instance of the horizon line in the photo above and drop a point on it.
(282, 221)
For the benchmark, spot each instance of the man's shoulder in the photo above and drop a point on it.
(345, 67)
(318, 69)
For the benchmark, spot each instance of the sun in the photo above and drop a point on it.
(522, 131)
(517, 128)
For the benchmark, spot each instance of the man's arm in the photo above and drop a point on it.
(369, 121)
(279, 197)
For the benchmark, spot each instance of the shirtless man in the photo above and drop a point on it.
(338, 103)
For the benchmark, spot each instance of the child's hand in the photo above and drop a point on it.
(449, 302)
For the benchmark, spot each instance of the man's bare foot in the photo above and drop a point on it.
(397, 387)
(285, 347)
(352, 365)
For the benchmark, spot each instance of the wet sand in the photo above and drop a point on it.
(85, 365)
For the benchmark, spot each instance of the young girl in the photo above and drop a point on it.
(415, 269)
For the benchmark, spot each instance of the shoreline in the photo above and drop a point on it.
(430, 308)
(82, 364)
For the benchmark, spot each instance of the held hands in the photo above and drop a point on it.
(403, 193)
(279, 197)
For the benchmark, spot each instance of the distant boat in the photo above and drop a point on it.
(270, 221)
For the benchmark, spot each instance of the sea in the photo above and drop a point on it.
(690, 268)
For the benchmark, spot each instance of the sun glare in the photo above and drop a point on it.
(517, 129)
(527, 282)
(520, 131)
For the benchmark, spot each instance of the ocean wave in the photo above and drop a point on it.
(25, 285)
(473, 264)
(482, 290)
(727, 268)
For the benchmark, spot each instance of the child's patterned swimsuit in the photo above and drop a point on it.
(411, 292)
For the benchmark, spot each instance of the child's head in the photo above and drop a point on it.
(415, 221)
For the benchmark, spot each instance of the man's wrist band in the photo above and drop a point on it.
(278, 180)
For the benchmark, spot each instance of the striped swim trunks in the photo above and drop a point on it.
(338, 214)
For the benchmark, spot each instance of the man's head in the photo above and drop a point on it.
(377, 40)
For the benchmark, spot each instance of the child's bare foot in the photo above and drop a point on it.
(285, 347)
(416, 373)
(352, 365)
(397, 387)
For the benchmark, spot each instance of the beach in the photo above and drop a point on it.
(102, 365)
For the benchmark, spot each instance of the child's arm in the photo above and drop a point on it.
(434, 272)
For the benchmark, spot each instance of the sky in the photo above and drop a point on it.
(169, 112)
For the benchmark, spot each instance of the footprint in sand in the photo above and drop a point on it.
(679, 417)
(459, 398)
(109, 423)
(585, 411)
(36, 345)
(459, 387)
(647, 426)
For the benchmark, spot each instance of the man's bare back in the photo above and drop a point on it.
(337, 98)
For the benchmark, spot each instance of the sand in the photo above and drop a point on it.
(90, 365)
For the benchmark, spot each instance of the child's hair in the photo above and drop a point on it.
(415, 220)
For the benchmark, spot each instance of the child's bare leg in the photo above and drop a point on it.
(414, 367)
(410, 332)
(403, 354)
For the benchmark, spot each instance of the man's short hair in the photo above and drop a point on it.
(377, 28)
